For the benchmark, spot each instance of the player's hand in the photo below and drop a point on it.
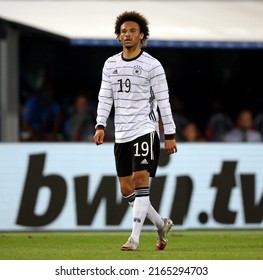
(99, 136)
(170, 146)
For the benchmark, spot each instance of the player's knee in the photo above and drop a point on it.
(127, 190)
(139, 181)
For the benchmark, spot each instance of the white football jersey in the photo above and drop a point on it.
(136, 87)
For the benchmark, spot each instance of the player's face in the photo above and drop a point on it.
(130, 35)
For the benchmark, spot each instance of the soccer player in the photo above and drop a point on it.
(135, 82)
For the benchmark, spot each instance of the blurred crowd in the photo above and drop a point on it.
(43, 118)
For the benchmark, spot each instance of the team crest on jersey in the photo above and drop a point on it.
(137, 70)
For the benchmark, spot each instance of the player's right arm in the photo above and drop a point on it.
(105, 102)
(99, 136)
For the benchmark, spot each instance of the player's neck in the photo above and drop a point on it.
(130, 52)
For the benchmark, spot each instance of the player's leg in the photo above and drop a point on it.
(141, 205)
(163, 225)
(148, 151)
(123, 162)
(134, 187)
(124, 156)
(128, 193)
(144, 163)
(141, 202)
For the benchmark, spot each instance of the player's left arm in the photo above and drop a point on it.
(160, 89)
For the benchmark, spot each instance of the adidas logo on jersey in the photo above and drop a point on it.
(144, 161)
(115, 71)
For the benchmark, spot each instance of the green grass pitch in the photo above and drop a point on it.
(183, 245)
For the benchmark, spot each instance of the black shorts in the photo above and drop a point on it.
(141, 153)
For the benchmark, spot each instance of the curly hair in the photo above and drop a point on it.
(136, 17)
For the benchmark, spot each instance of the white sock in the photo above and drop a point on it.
(140, 210)
(152, 214)
(155, 217)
